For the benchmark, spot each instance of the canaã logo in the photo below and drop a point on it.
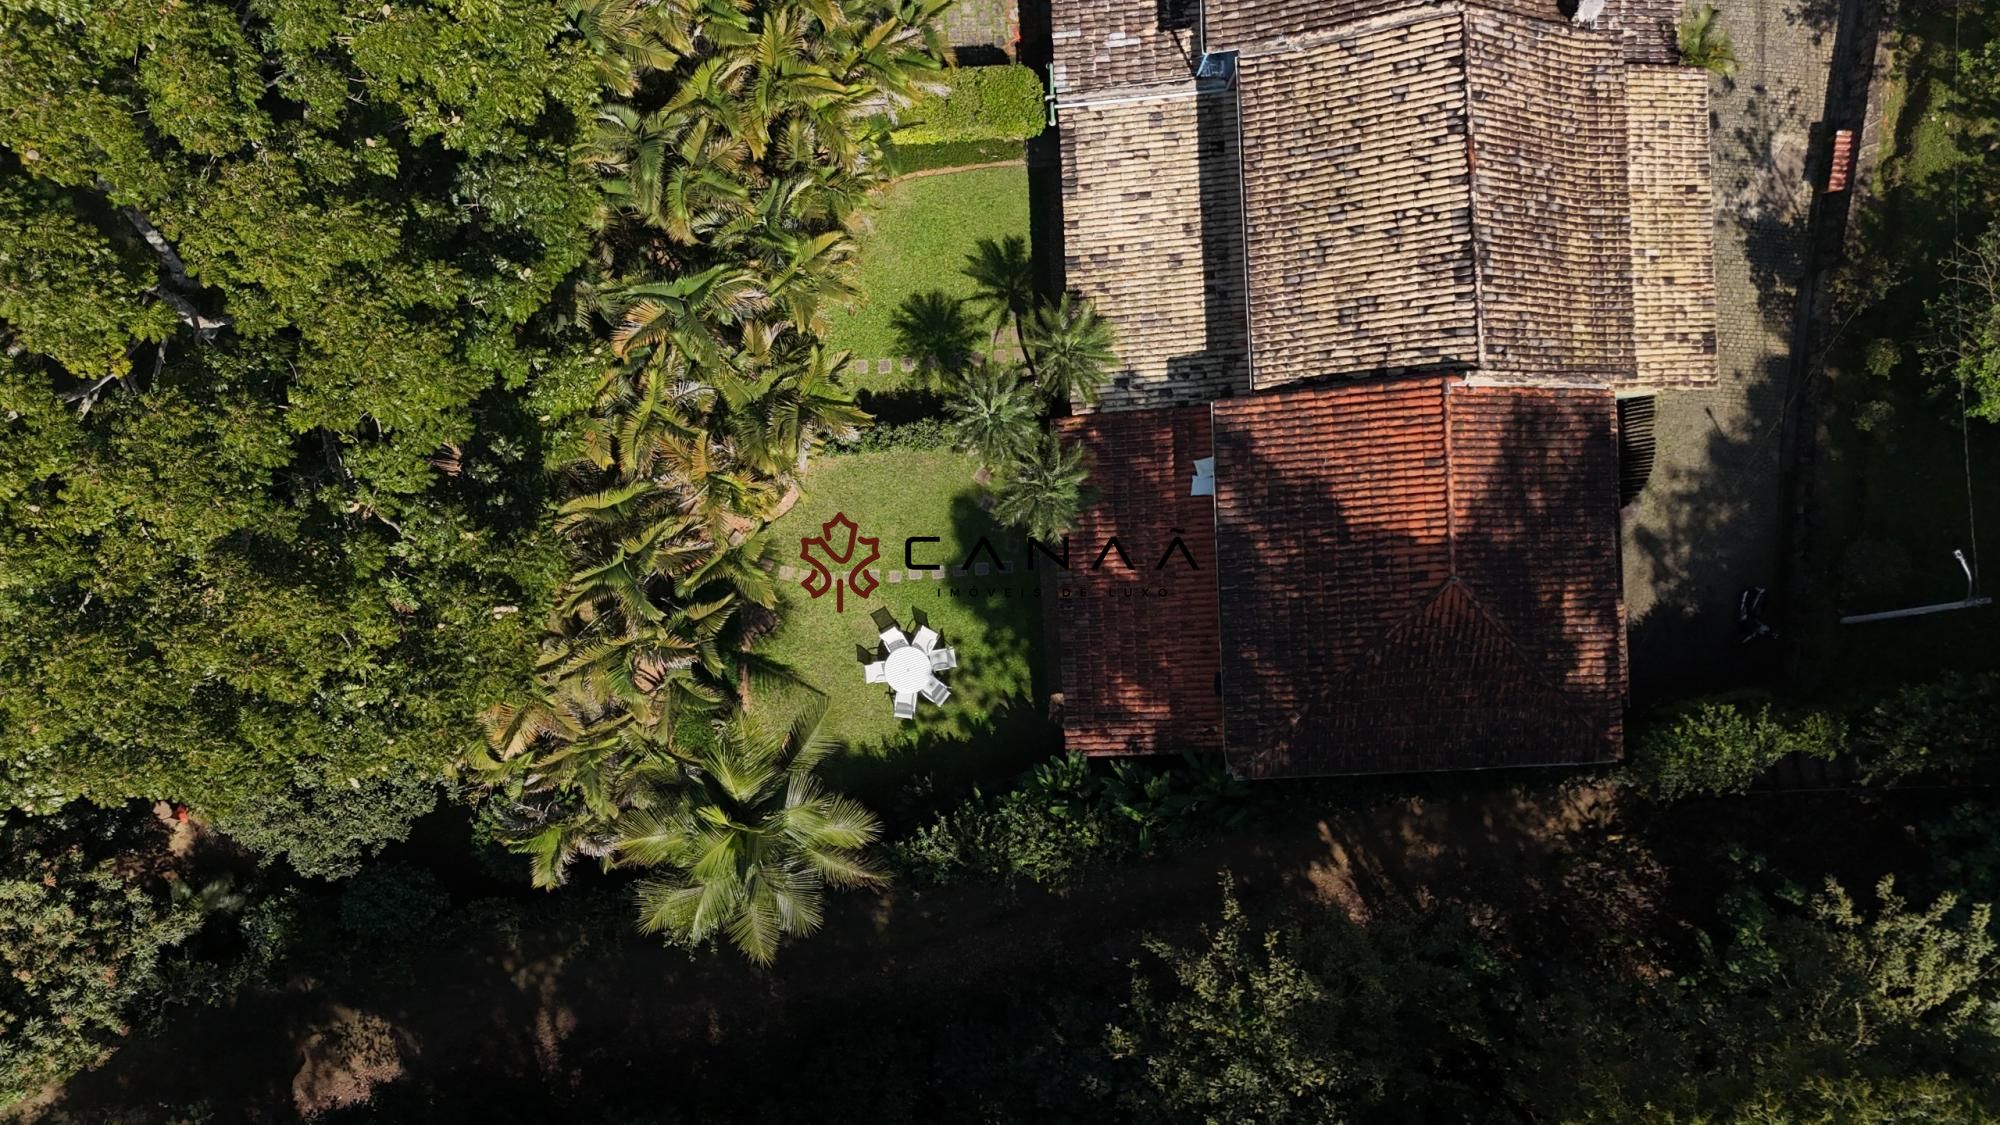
(836, 566)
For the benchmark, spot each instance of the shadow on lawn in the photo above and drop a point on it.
(930, 763)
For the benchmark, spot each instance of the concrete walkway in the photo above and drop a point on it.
(1709, 523)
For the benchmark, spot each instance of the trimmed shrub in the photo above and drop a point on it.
(980, 103)
(904, 159)
(924, 434)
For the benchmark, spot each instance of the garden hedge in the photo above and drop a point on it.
(980, 103)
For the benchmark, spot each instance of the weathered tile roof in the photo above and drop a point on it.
(1549, 198)
(1418, 575)
(1438, 190)
(1140, 654)
(1357, 204)
(1644, 28)
(1152, 234)
(1672, 202)
(1103, 45)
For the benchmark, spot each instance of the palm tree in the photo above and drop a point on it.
(993, 415)
(1003, 277)
(1042, 491)
(752, 842)
(933, 327)
(1073, 350)
(803, 404)
(688, 312)
(1704, 42)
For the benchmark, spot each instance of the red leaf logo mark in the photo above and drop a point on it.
(837, 568)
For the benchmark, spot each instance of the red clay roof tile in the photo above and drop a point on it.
(1408, 575)
(1140, 649)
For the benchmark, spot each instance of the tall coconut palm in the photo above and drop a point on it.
(993, 415)
(1041, 492)
(1003, 278)
(749, 846)
(1704, 42)
(1073, 348)
(933, 327)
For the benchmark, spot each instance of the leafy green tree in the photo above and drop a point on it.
(1042, 490)
(82, 942)
(751, 843)
(275, 393)
(1962, 350)
(933, 327)
(1703, 42)
(1318, 1022)
(327, 826)
(1072, 349)
(994, 414)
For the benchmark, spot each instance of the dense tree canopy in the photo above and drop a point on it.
(274, 395)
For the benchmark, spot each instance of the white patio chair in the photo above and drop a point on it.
(937, 691)
(926, 639)
(943, 659)
(893, 638)
(878, 672)
(906, 705)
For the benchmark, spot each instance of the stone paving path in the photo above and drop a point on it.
(1709, 523)
(980, 23)
(883, 365)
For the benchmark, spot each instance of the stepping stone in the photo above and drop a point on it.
(881, 367)
(957, 571)
(981, 569)
(788, 572)
(894, 576)
(906, 364)
(937, 575)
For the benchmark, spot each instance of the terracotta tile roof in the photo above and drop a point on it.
(1439, 190)
(1447, 599)
(1672, 201)
(1152, 234)
(1138, 672)
(1106, 45)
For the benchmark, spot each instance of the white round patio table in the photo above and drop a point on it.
(909, 669)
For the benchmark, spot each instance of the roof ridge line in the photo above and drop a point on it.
(1454, 579)
(1472, 188)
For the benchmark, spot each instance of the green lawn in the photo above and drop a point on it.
(914, 236)
(989, 722)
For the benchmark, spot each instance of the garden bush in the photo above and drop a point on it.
(904, 159)
(922, 434)
(979, 103)
(1718, 748)
(1065, 815)
(1945, 727)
